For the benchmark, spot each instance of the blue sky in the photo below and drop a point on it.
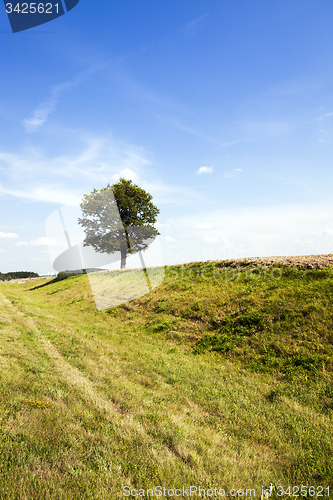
(222, 110)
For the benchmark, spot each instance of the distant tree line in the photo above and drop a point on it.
(18, 275)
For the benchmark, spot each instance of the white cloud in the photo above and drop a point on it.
(206, 170)
(203, 226)
(165, 194)
(226, 244)
(255, 231)
(210, 239)
(46, 194)
(8, 235)
(158, 224)
(90, 163)
(99, 160)
(49, 104)
(168, 238)
(1, 250)
(39, 242)
(128, 174)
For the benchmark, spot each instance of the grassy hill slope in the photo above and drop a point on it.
(217, 379)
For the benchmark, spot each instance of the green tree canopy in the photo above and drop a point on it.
(119, 218)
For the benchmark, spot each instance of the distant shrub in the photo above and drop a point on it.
(66, 274)
(76, 272)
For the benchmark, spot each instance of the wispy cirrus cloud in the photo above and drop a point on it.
(195, 23)
(192, 131)
(233, 172)
(42, 241)
(63, 178)
(100, 158)
(49, 104)
(46, 193)
(255, 130)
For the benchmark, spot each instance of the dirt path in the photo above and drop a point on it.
(75, 378)
(71, 374)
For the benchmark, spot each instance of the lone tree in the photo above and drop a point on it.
(119, 218)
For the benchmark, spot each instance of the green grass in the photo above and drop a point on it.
(213, 381)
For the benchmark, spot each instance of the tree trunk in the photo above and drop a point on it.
(123, 253)
(124, 250)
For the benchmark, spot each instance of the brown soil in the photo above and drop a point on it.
(308, 261)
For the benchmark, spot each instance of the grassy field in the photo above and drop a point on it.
(214, 379)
